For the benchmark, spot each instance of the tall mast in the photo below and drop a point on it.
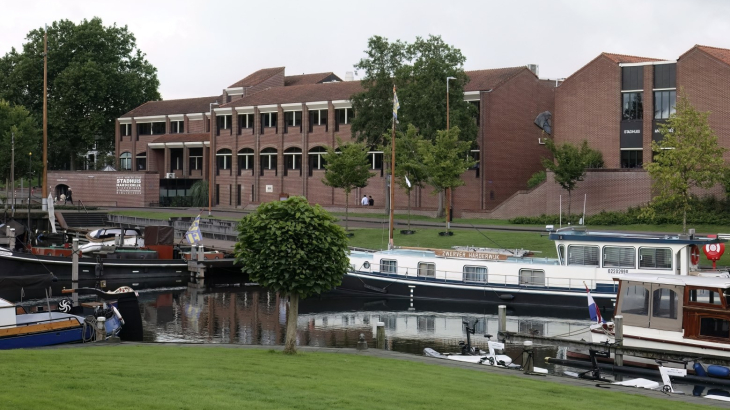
(44, 189)
(392, 186)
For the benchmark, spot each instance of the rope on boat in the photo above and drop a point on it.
(89, 322)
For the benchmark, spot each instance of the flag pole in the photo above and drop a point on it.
(392, 180)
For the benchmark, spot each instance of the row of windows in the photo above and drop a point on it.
(665, 76)
(617, 257)
(292, 158)
(476, 274)
(632, 106)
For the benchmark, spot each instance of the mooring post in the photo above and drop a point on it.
(75, 271)
(502, 312)
(380, 335)
(361, 343)
(11, 235)
(528, 363)
(618, 327)
(100, 328)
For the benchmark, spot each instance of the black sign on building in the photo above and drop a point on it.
(632, 134)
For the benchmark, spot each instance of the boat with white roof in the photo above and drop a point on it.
(586, 260)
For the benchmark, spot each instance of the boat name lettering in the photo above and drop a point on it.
(469, 254)
(129, 186)
(618, 271)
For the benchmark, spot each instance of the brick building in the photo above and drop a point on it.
(266, 134)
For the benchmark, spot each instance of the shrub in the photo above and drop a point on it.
(536, 179)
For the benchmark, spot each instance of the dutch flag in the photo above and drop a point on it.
(593, 308)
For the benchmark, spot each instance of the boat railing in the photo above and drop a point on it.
(526, 280)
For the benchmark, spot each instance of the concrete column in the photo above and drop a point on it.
(117, 138)
(185, 124)
(186, 161)
(167, 124)
(167, 168)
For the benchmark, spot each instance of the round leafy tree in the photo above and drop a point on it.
(293, 248)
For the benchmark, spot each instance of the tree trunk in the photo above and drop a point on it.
(440, 212)
(448, 208)
(290, 345)
(569, 200)
(347, 209)
(684, 214)
(73, 162)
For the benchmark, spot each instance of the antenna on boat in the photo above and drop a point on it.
(498, 245)
(583, 220)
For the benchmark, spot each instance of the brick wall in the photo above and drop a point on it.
(99, 187)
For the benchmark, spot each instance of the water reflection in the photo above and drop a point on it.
(252, 315)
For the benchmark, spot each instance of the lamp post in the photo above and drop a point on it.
(30, 183)
(448, 190)
(44, 186)
(212, 158)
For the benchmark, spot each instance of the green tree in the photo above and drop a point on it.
(569, 164)
(17, 120)
(408, 162)
(347, 169)
(445, 160)
(293, 248)
(199, 193)
(688, 156)
(96, 73)
(419, 70)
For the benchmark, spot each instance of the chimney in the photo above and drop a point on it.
(349, 76)
(534, 68)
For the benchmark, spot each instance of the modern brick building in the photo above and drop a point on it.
(266, 134)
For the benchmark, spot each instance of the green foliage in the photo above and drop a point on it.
(688, 156)
(17, 120)
(569, 163)
(536, 179)
(419, 71)
(199, 193)
(445, 159)
(292, 247)
(347, 169)
(96, 73)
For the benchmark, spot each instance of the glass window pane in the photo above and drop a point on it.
(714, 327)
(665, 304)
(635, 300)
(426, 270)
(672, 102)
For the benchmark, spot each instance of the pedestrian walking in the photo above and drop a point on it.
(371, 201)
(364, 201)
(70, 199)
(63, 199)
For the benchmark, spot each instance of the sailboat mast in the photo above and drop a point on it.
(44, 189)
(392, 185)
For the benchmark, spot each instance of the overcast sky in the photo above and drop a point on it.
(201, 47)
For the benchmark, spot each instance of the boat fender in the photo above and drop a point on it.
(506, 297)
(118, 315)
(718, 371)
(699, 370)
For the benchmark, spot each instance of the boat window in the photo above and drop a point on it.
(705, 296)
(561, 254)
(388, 266)
(475, 274)
(426, 270)
(655, 258)
(616, 257)
(635, 300)
(714, 327)
(426, 323)
(532, 277)
(583, 255)
(665, 303)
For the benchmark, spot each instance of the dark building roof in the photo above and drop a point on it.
(621, 58)
(257, 77)
(722, 54)
(300, 94)
(183, 138)
(310, 79)
(170, 107)
(483, 80)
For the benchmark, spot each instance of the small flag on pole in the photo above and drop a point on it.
(593, 308)
(193, 234)
(408, 182)
(396, 105)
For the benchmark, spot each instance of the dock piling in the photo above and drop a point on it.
(361, 343)
(502, 313)
(75, 271)
(528, 363)
(380, 335)
(618, 326)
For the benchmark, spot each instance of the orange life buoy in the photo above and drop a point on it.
(694, 254)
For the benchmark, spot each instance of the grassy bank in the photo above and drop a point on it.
(167, 377)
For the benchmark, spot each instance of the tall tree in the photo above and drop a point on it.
(17, 120)
(96, 73)
(445, 160)
(569, 164)
(347, 169)
(419, 70)
(688, 156)
(293, 248)
(409, 169)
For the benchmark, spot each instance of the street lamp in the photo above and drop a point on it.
(448, 190)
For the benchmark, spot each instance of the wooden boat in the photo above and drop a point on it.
(586, 259)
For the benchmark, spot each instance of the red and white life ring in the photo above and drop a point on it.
(694, 254)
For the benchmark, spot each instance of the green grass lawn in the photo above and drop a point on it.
(169, 377)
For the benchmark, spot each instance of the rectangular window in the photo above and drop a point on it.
(142, 162)
(344, 115)
(532, 277)
(664, 104)
(144, 129)
(318, 117)
(245, 160)
(177, 127)
(196, 159)
(475, 274)
(632, 78)
(632, 158)
(293, 118)
(223, 122)
(125, 130)
(293, 161)
(376, 159)
(665, 76)
(615, 257)
(635, 300)
(426, 323)
(245, 121)
(706, 296)
(388, 266)
(477, 112)
(426, 270)
(714, 327)
(655, 258)
(268, 119)
(632, 106)
(158, 128)
(583, 255)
